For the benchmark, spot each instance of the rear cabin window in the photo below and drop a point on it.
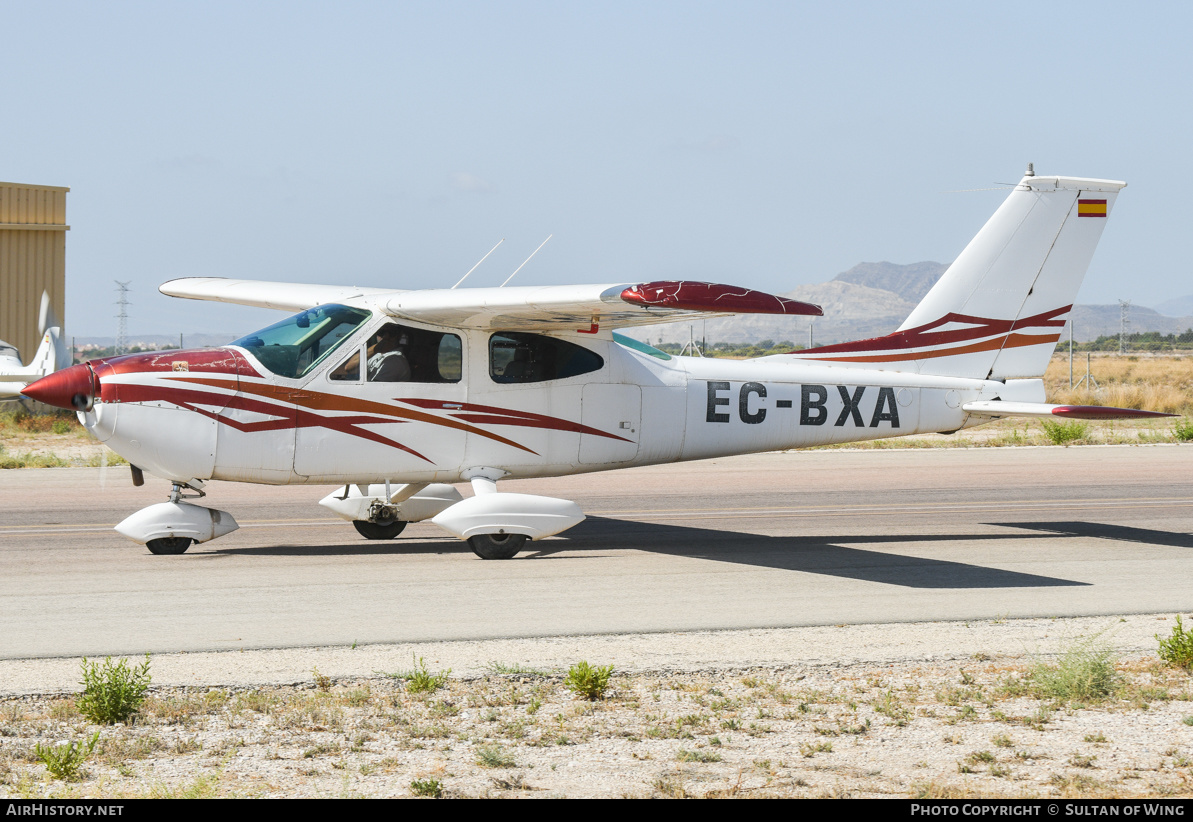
(519, 357)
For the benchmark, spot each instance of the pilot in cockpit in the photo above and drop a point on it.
(387, 355)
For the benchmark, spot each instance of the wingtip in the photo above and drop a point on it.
(689, 295)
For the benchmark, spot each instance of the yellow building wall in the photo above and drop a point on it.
(32, 260)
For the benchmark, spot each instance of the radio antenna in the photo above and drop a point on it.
(519, 268)
(481, 260)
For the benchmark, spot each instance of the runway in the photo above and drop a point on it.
(763, 541)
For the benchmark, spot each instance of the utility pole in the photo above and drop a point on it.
(1070, 352)
(122, 318)
(1124, 321)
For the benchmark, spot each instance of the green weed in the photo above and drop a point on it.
(1183, 430)
(1063, 433)
(66, 761)
(420, 680)
(1177, 650)
(685, 755)
(427, 787)
(1084, 672)
(113, 691)
(493, 756)
(588, 681)
(501, 669)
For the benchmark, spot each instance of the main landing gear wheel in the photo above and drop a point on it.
(496, 546)
(377, 530)
(169, 545)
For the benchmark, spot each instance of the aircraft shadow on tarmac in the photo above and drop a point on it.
(805, 553)
(1116, 533)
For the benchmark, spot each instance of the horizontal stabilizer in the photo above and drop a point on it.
(998, 408)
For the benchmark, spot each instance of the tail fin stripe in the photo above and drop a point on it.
(924, 336)
(1008, 341)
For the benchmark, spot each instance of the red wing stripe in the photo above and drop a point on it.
(288, 418)
(508, 416)
(329, 402)
(561, 425)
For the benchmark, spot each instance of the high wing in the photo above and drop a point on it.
(262, 294)
(545, 308)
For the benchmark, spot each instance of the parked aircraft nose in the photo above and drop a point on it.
(72, 388)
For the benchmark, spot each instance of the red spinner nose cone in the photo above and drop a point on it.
(71, 388)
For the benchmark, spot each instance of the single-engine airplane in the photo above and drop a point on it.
(395, 394)
(51, 355)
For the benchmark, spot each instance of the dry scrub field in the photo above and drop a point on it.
(981, 726)
(1153, 382)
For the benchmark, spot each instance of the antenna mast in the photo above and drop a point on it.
(481, 260)
(524, 262)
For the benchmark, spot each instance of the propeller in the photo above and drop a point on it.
(73, 388)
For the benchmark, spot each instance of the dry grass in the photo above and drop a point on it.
(1150, 381)
(922, 730)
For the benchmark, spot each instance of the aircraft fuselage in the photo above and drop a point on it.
(221, 414)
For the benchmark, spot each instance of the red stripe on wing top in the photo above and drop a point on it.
(696, 296)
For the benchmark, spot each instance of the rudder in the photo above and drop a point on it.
(999, 309)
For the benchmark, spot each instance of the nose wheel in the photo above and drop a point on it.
(496, 546)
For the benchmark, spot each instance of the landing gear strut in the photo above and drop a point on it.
(172, 527)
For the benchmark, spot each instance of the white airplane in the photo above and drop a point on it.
(51, 355)
(394, 394)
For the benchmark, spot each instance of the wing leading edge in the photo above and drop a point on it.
(549, 308)
(264, 294)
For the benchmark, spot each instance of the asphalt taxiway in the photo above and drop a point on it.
(753, 542)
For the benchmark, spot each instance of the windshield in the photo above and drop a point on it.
(297, 344)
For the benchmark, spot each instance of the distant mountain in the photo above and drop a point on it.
(1176, 307)
(873, 299)
(1093, 321)
(854, 308)
(911, 282)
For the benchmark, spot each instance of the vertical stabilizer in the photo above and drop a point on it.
(999, 310)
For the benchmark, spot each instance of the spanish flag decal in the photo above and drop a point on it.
(1091, 208)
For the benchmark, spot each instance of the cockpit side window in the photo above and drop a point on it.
(401, 353)
(294, 346)
(518, 357)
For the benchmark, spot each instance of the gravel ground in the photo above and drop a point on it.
(933, 709)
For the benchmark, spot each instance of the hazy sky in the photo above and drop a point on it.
(761, 144)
